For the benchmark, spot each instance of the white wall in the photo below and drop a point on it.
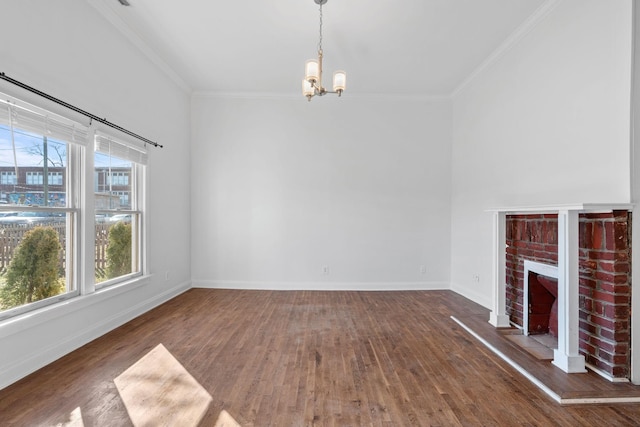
(282, 187)
(546, 123)
(66, 48)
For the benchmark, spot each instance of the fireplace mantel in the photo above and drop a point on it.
(554, 209)
(566, 356)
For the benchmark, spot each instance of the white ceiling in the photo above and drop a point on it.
(403, 47)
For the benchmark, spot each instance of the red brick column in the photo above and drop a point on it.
(605, 291)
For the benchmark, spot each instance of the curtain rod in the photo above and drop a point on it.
(3, 76)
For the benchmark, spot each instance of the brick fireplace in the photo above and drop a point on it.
(604, 281)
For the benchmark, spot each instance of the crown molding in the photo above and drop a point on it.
(525, 28)
(207, 94)
(299, 97)
(109, 13)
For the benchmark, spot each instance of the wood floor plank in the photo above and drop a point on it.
(308, 358)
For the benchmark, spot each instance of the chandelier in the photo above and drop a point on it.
(312, 82)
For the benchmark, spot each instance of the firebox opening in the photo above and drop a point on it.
(543, 305)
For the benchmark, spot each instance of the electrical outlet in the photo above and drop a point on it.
(325, 270)
(423, 269)
(166, 275)
(476, 278)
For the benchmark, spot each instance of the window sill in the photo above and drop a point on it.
(31, 319)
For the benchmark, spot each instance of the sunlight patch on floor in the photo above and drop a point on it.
(158, 391)
(226, 420)
(74, 420)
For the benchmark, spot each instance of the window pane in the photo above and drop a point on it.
(33, 244)
(32, 257)
(33, 169)
(115, 246)
(117, 232)
(112, 182)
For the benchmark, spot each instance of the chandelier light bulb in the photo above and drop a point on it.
(312, 70)
(339, 81)
(307, 88)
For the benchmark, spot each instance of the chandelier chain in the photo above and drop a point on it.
(320, 39)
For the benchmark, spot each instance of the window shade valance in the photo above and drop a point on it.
(51, 126)
(108, 145)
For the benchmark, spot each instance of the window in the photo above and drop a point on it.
(7, 178)
(34, 178)
(43, 194)
(118, 179)
(119, 170)
(124, 197)
(37, 226)
(55, 178)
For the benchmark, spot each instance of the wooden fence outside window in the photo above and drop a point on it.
(11, 235)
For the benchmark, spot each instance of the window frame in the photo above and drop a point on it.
(79, 181)
(72, 214)
(137, 181)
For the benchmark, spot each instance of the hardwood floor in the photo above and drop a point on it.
(304, 358)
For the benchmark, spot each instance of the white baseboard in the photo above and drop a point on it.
(477, 297)
(31, 363)
(606, 375)
(320, 286)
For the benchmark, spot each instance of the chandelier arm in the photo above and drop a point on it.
(318, 89)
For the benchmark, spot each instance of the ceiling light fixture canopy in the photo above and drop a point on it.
(312, 82)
